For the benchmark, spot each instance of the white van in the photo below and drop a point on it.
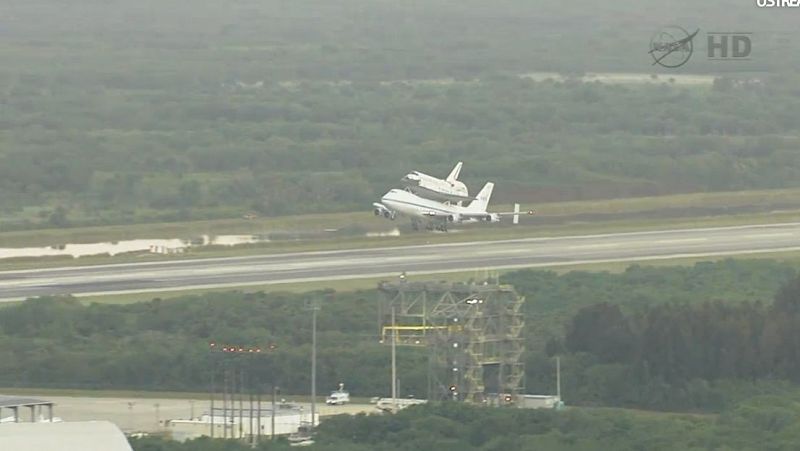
(338, 397)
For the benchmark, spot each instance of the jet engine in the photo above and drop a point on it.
(381, 210)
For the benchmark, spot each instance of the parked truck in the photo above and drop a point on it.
(338, 397)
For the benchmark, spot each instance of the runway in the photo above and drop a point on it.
(390, 261)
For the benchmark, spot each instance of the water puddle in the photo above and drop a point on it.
(155, 246)
(164, 246)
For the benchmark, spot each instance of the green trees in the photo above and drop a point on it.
(760, 423)
(646, 337)
(165, 345)
(259, 118)
(682, 350)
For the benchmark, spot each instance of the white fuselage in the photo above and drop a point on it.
(409, 204)
(434, 188)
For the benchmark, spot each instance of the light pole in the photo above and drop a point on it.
(394, 361)
(558, 378)
(313, 305)
(274, 395)
(314, 363)
(229, 382)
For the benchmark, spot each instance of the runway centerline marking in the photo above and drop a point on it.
(768, 235)
(595, 246)
(681, 240)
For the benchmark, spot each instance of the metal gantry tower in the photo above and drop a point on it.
(473, 332)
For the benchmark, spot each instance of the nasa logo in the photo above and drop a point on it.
(672, 46)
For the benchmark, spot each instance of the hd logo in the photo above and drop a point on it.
(724, 46)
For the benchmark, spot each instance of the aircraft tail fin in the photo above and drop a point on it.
(481, 201)
(455, 172)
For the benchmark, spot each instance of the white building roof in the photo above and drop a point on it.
(67, 436)
(16, 401)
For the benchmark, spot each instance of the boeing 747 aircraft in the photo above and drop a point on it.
(438, 215)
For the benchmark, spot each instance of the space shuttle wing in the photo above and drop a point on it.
(457, 198)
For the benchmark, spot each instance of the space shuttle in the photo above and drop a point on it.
(448, 190)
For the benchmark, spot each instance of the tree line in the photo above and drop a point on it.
(655, 341)
(685, 355)
(760, 423)
(335, 148)
(245, 115)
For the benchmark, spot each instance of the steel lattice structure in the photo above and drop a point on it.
(473, 332)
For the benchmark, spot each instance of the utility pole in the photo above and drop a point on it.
(241, 402)
(313, 305)
(252, 437)
(314, 309)
(224, 401)
(258, 402)
(394, 361)
(274, 394)
(211, 409)
(558, 377)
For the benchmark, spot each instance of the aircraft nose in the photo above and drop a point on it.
(411, 178)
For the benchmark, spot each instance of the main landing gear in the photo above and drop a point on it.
(416, 225)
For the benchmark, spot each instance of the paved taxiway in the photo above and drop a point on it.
(360, 263)
(148, 414)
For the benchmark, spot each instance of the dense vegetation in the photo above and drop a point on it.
(763, 423)
(647, 337)
(137, 110)
(670, 356)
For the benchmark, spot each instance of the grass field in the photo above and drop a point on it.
(348, 230)
(297, 287)
(712, 203)
(475, 234)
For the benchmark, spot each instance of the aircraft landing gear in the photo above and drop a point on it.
(415, 225)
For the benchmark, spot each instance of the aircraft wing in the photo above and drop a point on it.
(515, 212)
